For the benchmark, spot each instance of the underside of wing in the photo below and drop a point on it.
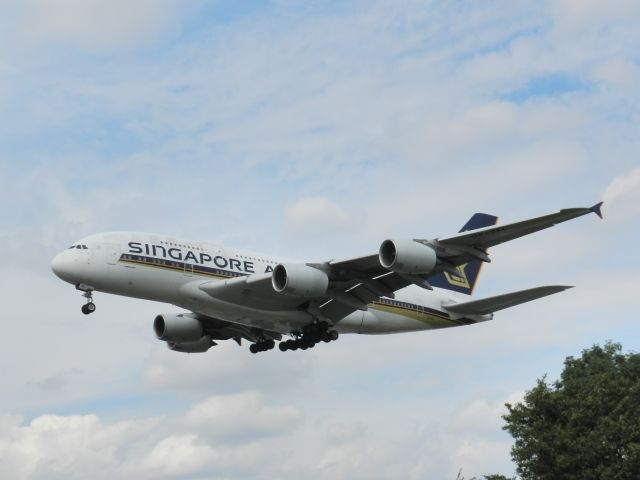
(363, 292)
(223, 330)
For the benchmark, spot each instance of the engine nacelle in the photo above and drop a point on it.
(199, 346)
(181, 327)
(407, 256)
(299, 280)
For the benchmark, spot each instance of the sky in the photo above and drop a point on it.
(312, 130)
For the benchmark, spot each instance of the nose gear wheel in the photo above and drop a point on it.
(88, 307)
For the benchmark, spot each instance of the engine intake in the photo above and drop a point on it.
(177, 328)
(299, 280)
(407, 256)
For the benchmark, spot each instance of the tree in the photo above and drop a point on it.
(584, 426)
(494, 476)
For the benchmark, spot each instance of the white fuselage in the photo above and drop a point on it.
(170, 270)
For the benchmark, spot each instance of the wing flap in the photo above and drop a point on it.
(488, 305)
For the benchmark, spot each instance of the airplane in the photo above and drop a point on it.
(230, 294)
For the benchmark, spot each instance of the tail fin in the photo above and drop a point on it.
(466, 280)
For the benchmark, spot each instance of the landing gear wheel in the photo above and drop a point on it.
(333, 335)
(263, 346)
(88, 308)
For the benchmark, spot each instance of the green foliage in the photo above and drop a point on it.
(485, 477)
(584, 426)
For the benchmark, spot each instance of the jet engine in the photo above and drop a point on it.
(199, 346)
(299, 280)
(177, 328)
(407, 256)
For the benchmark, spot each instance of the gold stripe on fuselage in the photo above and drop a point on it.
(406, 310)
(176, 268)
(429, 318)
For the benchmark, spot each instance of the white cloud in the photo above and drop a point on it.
(240, 416)
(620, 73)
(478, 415)
(187, 456)
(316, 216)
(233, 369)
(81, 446)
(74, 446)
(622, 197)
(574, 15)
(178, 455)
(93, 25)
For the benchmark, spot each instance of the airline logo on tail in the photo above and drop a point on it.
(459, 280)
(465, 280)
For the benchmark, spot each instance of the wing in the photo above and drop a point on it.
(460, 248)
(374, 281)
(356, 282)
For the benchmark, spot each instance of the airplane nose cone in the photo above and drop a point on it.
(62, 266)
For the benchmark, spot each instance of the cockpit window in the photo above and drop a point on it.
(72, 246)
(84, 247)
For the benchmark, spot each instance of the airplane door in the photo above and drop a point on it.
(113, 254)
(188, 270)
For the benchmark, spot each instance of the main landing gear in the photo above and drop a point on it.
(311, 335)
(262, 346)
(88, 307)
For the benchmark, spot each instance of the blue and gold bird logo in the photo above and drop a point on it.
(459, 280)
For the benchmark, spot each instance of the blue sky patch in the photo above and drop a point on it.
(546, 86)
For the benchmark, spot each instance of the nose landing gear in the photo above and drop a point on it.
(88, 307)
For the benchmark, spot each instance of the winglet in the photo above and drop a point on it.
(597, 209)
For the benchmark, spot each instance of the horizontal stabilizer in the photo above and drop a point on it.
(488, 305)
